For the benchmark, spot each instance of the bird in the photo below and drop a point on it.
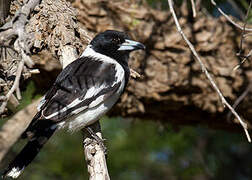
(83, 92)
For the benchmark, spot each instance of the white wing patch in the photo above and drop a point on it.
(41, 102)
(15, 172)
(74, 103)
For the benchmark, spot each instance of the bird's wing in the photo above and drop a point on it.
(84, 83)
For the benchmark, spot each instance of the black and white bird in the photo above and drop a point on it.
(84, 91)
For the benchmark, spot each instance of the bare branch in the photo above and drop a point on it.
(15, 86)
(243, 60)
(240, 98)
(228, 18)
(134, 74)
(244, 27)
(16, 28)
(243, 124)
(193, 9)
(241, 41)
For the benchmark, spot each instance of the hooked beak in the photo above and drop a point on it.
(130, 45)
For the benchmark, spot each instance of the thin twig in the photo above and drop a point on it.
(16, 28)
(228, 18)
(14, 87)
(223, 100)
(240, 98)
(243, 60)
(193, 9)
(244, 27)
(246, 35)
(242, 38)
(16, 82)
(134, 74)
(2, 98)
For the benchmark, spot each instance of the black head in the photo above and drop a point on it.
(115, 44)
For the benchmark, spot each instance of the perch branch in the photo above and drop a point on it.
(94, 154)
(223, 100)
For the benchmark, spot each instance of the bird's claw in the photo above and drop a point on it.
(99, 140)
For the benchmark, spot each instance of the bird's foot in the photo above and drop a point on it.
(99, 140)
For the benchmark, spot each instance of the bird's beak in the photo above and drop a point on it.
(130, 45)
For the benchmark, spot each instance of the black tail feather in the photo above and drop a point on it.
(28, 153)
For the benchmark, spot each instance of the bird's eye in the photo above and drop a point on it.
(116, 40)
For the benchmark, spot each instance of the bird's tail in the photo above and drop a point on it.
(28, 153)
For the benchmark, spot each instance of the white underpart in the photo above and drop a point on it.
(87, 115)
(15, 172)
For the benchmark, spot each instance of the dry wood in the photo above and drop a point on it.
(193, 8)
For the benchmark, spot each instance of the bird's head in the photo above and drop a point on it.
(115, 44)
